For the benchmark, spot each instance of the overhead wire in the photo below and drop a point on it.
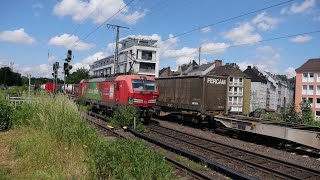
(249, 43)
(232, 18)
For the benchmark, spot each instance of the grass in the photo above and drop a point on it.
(52, 140)
(192, 165)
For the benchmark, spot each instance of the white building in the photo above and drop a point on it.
(268, 91)
(142, 54)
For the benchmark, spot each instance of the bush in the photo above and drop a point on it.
(271, 116)
(124, 116)
(5, 114)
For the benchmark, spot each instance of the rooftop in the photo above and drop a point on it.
(227, 70)
(310, 65)
(202, 67)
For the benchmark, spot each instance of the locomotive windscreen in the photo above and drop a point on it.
(143, 85)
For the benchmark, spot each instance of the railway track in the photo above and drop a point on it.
(273, 142)
(181, 171)
(243, 162)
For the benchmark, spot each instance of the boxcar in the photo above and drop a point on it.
(193, 96)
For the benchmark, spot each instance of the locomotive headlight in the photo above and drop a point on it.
(130, 101)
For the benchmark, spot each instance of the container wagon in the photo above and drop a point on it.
(194, 98)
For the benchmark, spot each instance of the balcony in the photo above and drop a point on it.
(143, 70)
(230, 103)
(235, 93)
(235, 83)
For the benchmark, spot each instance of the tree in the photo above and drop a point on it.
(306, 112)
(290, 114)
(77, 76)
(235, 65)
(10, 78)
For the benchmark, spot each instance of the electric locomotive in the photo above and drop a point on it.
(123, 90)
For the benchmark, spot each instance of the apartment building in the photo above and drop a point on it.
(239, 86)
(140, 54)
(308, 85)
(258, 96)
(268, 91)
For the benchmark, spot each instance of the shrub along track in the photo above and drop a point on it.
(225, 158)
(182, 171)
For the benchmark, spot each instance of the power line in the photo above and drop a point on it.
(102, 23)
(232, 18)
(254, 42)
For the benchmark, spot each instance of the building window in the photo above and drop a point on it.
(147, 67)
(317, 115)
(305, 77)
(231, 79)
(235, 89)
(310, 91)
(240, 80)
(305, 89)
(318, 78)
(318, 103)
(311, 77)
(146, 55)
(318, 90)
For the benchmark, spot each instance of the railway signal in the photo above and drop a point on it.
(55, 74)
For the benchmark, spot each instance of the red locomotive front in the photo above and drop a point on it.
(136, 90)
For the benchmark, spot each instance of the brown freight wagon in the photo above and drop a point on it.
(198, 96)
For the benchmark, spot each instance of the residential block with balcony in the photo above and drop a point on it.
(238, 87)
(142, 54)
(308, 85)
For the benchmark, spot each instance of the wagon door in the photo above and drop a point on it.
(216, 89)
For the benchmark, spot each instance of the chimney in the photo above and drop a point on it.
(249, 67)
(217, 63)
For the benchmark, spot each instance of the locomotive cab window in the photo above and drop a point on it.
(143, 85)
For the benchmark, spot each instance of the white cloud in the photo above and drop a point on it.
(299, 8)
(97, 10)
(265, 49)
(301, 38)
(242, 34)
(17, 36)
(42, 70)
(264, 22)
(290, 72)
(214, 48)
(206, 29)
(132, 18)
(70, 42)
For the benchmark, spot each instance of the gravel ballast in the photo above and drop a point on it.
(271, 152)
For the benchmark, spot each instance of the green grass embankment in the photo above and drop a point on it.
(50, 139)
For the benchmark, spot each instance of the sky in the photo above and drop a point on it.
(36, 33)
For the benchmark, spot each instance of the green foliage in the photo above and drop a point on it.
(124, 116)
(124, 159)
(306, 112)
(58, 143)
(5, 114)
(10, 78)
(4, 173)
(290, 114)
(16, 90)
(78, 75)
(271, 116)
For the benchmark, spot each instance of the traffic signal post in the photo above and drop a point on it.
(67, 67)
(55, 75)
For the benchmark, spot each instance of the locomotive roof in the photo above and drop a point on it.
(188, 76)
(121, 77)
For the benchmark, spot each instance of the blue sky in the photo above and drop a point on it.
(31, 28)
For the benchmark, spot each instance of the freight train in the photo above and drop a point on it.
(108, 94)
(192, 98)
